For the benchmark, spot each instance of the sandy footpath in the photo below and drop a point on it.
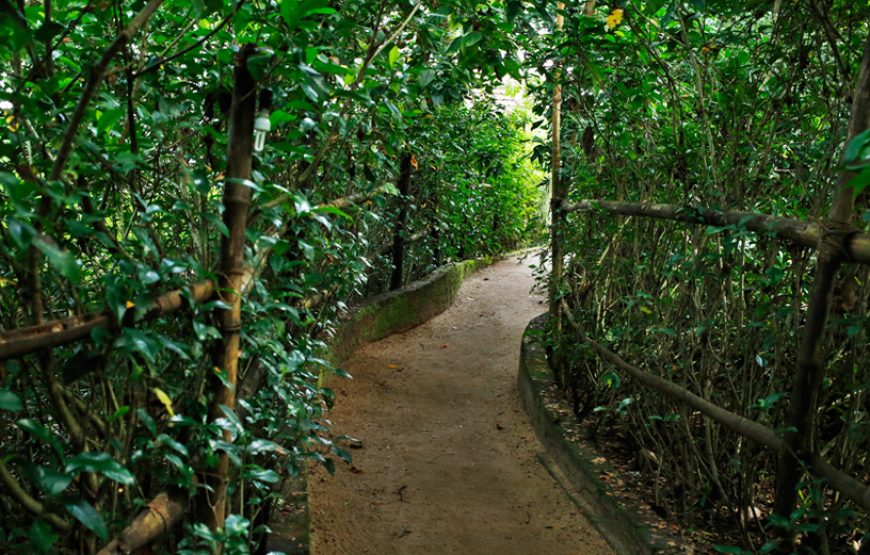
(449, 461)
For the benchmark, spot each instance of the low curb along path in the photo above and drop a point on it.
(449, 462)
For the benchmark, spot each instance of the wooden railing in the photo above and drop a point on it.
(836, 241)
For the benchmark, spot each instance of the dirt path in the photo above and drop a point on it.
(449, 461)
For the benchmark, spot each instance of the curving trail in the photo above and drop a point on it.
(449, 462)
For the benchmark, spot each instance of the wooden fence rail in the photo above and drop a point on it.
(851, 488)
(55, 333)
(836, 242)
(854, 244)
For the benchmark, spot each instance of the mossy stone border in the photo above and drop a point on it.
(403, 309)
(628, 528)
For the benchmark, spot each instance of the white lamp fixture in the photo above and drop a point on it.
(262, 126)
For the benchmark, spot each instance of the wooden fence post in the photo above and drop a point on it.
(404, 186)
(237, 201)
(810, 371)
(557, 189)
(436, 232)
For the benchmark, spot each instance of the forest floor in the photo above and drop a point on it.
(449, 462)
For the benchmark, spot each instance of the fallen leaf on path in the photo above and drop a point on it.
(444, 346)
(498, 426)
(356, 470)
(393, 366)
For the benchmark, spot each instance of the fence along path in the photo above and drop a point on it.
(234, 282)
(836, 241)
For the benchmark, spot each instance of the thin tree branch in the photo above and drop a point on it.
(18, 493)
(98, 73)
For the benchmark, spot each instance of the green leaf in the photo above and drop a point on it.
(280, 117)
(62, 260)
(42, 537)
(101, 463)
(321, 11)
(611, 379)
(108, 119)
(147, 421)
(137, 341)
(292, 11)
(727, 549)
(624, 404)
(770, 400)
(52, 482)
(261, 446)
(237, 525)
(258, 65)
(85, 513)
(164, 439)
(43, 434)
(426, 77)
(471, 39)
(856, 146)
(334, 211)
(301, 204)
(10, 401)
(261, 475)
(860, 181)
(393, 55)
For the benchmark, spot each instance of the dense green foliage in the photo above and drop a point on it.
(737, 105)
(92, 431)
(113, 174)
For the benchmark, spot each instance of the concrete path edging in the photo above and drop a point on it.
(624, 527)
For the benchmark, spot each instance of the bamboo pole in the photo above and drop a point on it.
(55, 333)
(31, 339)
(848, 486)
(237, 202)
(404, 186)
(160, 515)
(557, 191)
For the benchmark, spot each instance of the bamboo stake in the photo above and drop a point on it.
(557, 191)
(55, 333)
(161, 514)
(237, 201)
(31, 339)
